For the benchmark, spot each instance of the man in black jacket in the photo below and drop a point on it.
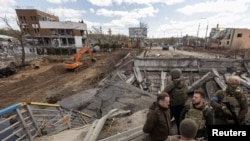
(158, 122)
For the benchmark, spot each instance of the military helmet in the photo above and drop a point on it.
(188, 128)
(233, 80)
(175, 73)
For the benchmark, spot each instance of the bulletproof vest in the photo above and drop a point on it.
(197, 116)
(234, 100)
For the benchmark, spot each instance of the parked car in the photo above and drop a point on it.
(165, 46)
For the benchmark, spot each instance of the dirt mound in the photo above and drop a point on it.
(20, 85)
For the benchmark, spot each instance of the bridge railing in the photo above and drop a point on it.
(25, 121)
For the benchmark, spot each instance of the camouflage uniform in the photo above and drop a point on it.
(177, 90)
(237, 101)
(158, 123)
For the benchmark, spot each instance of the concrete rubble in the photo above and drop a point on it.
(133, 87)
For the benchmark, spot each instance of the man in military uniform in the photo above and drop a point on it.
(177, 90)
(231, 104)
(188, 130)
(158, 122)
(200, 112)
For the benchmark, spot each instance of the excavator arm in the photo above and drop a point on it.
(75, 63)
(81, 52)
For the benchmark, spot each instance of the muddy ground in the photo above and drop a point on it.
(51, 79)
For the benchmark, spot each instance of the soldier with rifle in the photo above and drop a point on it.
(231, 104)
(234, 116)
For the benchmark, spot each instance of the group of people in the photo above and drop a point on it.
(227, 106)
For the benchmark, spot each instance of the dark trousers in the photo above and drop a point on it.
(176, 112)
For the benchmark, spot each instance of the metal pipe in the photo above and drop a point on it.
(43, 104)
(10, 108)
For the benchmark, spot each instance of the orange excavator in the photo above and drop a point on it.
(75, 63)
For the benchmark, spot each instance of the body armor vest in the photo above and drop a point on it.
(233, 101)
(197, 116)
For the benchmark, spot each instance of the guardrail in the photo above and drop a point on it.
(25, 121)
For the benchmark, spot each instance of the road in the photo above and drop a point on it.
(178, 53)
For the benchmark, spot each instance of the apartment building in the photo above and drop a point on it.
(44, 30)
(230, 38)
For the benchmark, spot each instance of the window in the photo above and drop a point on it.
(239, 35)
(24, 19)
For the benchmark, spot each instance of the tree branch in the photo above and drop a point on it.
(6, 22)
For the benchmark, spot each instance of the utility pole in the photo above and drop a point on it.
(205, 39)
(197, 35)
(205, 43)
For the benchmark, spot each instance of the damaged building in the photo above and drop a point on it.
(44, 31)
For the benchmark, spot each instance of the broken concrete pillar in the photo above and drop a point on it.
(163, 80)
(139, 78)
(245, 83)
(121, 76)
(137, 73)
(211, 88)
(217, 79)
(247, 67)
(244, 76)
(131, 79)
(200, 82)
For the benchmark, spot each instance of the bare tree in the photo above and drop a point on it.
(143, 25)
(19, 35)
(96, 30)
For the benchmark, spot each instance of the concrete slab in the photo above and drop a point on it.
(75, 134)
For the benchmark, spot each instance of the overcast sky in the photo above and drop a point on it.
(165, 18)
